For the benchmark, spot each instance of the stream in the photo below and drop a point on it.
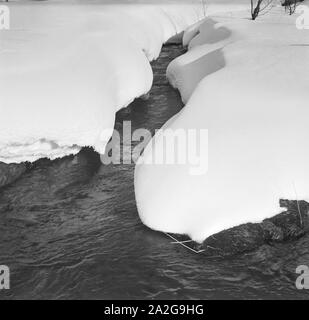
(69, 229)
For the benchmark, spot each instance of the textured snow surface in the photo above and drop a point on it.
(248, 84)
(65, 70)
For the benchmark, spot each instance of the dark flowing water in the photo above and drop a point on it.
(70, 229)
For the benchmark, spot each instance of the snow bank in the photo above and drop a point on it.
(248, 84)
(66, 69)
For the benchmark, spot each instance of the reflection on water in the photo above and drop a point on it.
(70, 229)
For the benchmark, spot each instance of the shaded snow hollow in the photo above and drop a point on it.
(247, 83)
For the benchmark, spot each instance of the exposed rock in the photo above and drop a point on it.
(10, 172)
(285, 226)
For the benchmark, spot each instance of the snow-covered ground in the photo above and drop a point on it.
(247, 82)
(66, 67)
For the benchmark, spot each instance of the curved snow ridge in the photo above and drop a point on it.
(245, 94)
(65, 70)
(205, 41)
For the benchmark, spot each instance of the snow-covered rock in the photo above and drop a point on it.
(247, 83)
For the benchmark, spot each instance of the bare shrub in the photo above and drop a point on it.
(291, 5)
(260, 6)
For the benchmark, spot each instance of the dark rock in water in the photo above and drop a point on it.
(10, 172)
(145, 96)
(285, 226)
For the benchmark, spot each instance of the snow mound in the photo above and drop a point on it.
(246, 82)
(65, 70)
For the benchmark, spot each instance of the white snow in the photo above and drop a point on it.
(247, 82)
(66, 68)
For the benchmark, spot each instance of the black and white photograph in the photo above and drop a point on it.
(154, 150)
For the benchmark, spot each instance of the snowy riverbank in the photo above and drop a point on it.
(65, 69)
(246, 82)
